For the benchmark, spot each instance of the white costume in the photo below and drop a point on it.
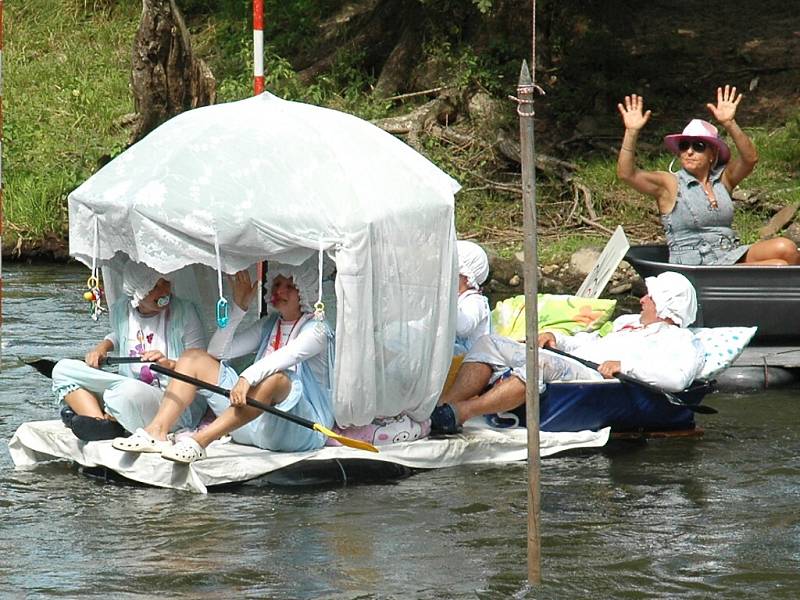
(133, 395)
(665, 355)
(474, 316)
(301, 349)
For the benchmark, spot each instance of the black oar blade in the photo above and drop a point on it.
(701, 408)
(43, 365)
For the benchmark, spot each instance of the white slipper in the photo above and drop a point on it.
(140, 441)
(186, 451)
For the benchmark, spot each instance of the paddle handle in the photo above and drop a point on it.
(619, 375)
(227, 393)
(123, 360)
(670, 397)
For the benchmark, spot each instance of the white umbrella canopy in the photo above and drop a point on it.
(268, 179)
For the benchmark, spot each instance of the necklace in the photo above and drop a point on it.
(278, 335)
(708, 188)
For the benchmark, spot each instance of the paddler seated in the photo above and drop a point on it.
(291, 371)
(474, 316)
(654, 346)
(148, 321)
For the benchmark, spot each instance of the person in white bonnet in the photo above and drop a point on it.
(474, 316)
(654, 346)
(147, 322)
(292, 370)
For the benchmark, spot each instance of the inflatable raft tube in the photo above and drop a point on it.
(304, 474)
(757, 378)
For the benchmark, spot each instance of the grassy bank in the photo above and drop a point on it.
(67, 103)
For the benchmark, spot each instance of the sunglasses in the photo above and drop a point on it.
(696, 145)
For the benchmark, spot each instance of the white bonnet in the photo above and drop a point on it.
(138, 280)
(304, 277)
(472, 263)
(674, 297)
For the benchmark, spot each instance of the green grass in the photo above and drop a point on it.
(66, 85)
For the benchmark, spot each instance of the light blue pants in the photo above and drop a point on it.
(131, 402)
(268, 431)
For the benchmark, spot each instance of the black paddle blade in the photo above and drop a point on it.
(701, 408)
(43, 365)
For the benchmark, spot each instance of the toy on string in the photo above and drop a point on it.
(95, 295)
(319, 311)
(222, 312)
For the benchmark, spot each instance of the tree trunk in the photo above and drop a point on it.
(166, 77)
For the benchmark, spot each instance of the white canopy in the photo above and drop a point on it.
(269, 179)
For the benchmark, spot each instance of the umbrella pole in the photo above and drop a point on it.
(258, 87)
(258, 47)
(525, 91)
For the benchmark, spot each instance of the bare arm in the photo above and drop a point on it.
(98, 353)
(657, 184)
(725, 112)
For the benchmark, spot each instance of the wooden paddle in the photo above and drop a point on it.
(670, 397)
(345, 441)
(45, 365)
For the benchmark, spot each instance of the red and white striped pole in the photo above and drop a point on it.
(1, 171)
(258, 87)
(258, 47)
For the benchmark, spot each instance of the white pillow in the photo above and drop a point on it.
(723, 345)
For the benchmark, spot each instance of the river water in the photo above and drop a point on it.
(715, 516)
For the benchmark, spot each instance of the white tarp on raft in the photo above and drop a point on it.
(42, 441)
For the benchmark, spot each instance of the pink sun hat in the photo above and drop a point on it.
(697, 129)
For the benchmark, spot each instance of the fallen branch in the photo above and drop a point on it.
(602, 228)
(778, 221)
(420, 93)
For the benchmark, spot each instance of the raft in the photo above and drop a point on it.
(39, 442)
(622, 407)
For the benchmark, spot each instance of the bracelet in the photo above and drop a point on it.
(626, 148)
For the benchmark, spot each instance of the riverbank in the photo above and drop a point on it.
(57, 138)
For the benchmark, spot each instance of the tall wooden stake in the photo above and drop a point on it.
(525, 92)
(1, 175)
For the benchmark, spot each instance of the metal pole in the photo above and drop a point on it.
(258, 47)
(525, 91)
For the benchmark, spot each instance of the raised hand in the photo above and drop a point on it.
(727, 102)
(243, 289)
(633, 115)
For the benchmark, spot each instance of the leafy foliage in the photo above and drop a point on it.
(67, 96)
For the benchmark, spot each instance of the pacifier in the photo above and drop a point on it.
(163, 301)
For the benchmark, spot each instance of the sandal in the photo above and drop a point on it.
(186, 451)
(140, 441)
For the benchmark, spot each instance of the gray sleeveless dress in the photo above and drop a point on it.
(697, 232)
